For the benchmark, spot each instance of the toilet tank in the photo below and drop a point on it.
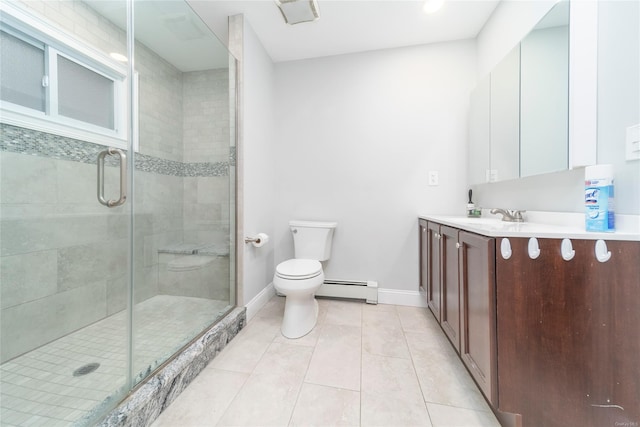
(311, 239)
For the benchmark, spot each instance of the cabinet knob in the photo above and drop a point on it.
(458, 245)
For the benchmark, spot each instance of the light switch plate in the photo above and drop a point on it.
(433, 178)
(633, 143)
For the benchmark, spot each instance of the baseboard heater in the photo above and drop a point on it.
(367, 290)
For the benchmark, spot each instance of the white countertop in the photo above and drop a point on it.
(553, 225)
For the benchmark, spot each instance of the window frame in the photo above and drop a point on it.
(55, 43)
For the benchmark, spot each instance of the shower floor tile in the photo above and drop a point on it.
(39, 388)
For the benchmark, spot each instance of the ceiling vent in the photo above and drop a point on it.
(297, 11)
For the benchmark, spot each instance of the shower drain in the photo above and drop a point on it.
(86, 369)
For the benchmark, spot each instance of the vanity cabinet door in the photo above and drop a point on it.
(620, 276)
(552, 335)
(424, 259)
(450, 313)
(478, 311)
(434, 295)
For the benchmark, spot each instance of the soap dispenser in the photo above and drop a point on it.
(471, 208)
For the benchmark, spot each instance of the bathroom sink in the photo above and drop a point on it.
(475, 221)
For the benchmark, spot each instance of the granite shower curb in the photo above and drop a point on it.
(145, 404)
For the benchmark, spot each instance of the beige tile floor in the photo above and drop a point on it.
(362, 365)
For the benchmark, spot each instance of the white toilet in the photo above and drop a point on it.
(298, 279)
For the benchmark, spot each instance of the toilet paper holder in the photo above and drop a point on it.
(258, 240)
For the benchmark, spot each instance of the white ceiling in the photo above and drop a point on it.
(348, 26)
(171, 29)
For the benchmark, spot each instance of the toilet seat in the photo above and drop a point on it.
(299, 269)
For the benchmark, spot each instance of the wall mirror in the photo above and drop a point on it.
(520, 112)
(544, 95)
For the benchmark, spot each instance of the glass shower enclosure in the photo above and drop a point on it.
(117, 199)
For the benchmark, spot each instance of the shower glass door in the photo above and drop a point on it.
(63, 256)
(182, 186)
(116, 199)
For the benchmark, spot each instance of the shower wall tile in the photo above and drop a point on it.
(200, 214)
(27, 277)
(28, 179)
(145, 283)
(170, 222)
(160, 110)
(212, 189)
(78, 18)
(37, 234)
(24, 141)
(22, 326)
(161, 190)
(118, 225)
(190, 190)
(77, 183)
(145, 286)
(117, 291)
(79, 265)
(206, 116)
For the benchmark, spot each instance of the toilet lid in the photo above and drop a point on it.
(298, 269)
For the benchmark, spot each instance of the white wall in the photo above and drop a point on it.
(259, 179)
(356, 137)
(619, 95)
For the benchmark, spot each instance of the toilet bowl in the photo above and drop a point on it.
(298, 279)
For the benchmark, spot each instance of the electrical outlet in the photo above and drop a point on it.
(433, 178)
(492, 175)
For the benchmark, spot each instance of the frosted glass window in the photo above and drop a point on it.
(84, 94)
(21, 72)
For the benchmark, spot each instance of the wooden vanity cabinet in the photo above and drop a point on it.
(569, 334)
(550, 343)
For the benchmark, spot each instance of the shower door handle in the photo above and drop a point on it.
(123, 177)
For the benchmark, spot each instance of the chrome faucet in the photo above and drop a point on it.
(509, 215)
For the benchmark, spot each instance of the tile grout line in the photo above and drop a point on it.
(305, 376)
(415, 372)
(246, 379)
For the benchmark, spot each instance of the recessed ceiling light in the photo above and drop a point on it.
(432, 6)
(118, 56)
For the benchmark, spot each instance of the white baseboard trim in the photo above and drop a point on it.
(259, 300)
(397, 297)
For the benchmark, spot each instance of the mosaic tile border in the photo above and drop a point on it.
(145, 404)
(27, 141)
